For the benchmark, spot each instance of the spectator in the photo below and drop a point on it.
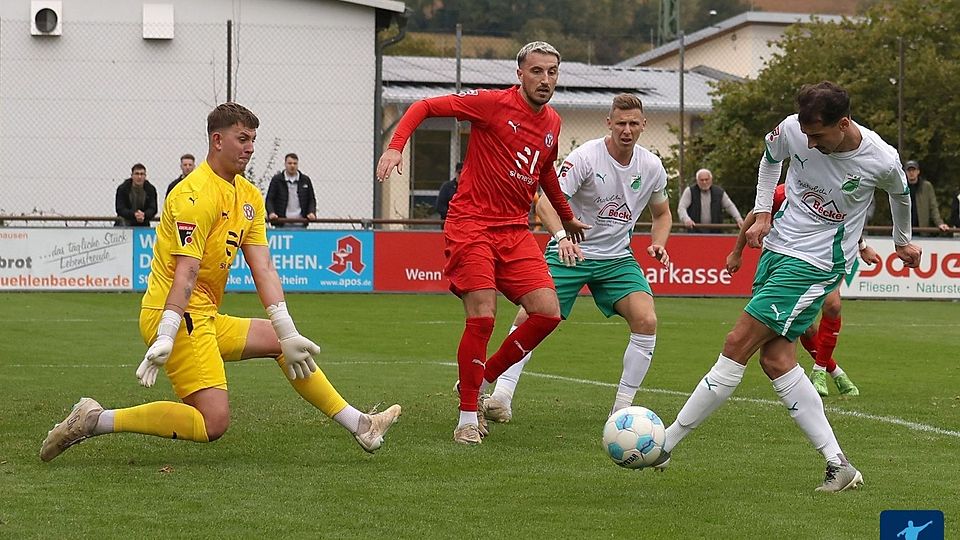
(187, 163)
(712, 199)
(136, 199)
(447, 190)
(291, 194)
(923, 200)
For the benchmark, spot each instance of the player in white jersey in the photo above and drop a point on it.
(608, 181)
(835, 166)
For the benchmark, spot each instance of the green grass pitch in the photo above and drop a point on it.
(285, 470)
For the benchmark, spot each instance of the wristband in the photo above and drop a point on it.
(281, 320)
(169, 324)
(559, 235)
(862, 245)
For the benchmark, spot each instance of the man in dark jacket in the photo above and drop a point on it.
(136, 199)
(291, 194)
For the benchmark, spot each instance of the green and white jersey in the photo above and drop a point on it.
(828, 195)
(609, 196)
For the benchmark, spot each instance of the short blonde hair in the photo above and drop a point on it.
(626, 102)
(536, 46)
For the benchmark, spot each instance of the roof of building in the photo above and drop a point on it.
(389, 5)
(409, 78)
(729, 25)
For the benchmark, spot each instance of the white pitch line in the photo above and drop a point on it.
(915, 426)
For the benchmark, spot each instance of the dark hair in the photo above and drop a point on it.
(823, 102)
(459, 166)
(138, 167)
(291, 155)
(626, 102)
(188, 156)
(228, 114)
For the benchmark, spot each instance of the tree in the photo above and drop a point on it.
(861, 55)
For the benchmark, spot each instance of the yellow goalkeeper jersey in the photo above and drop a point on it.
(207, 218)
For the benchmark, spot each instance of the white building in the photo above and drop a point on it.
(740, 45)
(114, 83)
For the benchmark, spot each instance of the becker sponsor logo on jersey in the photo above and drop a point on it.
(614, 212)
(565, 167)
(185, 232)
(823, 208)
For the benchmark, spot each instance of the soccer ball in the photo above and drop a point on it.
(634, 437)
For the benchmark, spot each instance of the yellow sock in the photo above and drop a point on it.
(162, 419)
(317, 390)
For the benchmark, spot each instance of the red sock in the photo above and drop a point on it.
(520, 342)
(471, 356)
(827, 342)
(810, 344)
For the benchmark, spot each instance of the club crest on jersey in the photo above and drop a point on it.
(565, 167)
(248, 211)
(549, 140)
(821, 207)
(185, 232)
(851, 183)
(635, 183)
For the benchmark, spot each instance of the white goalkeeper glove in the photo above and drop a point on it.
(298, 351)
(160, 350)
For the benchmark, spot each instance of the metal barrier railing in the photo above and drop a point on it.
(420, 224)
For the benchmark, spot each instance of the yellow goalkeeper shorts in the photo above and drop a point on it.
(201, 346)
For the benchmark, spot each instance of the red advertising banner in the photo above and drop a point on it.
(413, 262)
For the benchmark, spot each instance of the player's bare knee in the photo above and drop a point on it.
(216, 424)
(521, 317)
(645, 323)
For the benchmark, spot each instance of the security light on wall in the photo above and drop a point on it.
(46, 17)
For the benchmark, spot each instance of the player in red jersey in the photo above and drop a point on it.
(488, 244)
(819, 340)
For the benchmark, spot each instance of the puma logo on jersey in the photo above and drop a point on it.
(514, 126)
(800, 160)
(776, 311)
(192, 200)
(602, 178)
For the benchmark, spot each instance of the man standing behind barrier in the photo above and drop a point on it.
(291, 194)
(136, 200)
(489, 247)
(705, 204)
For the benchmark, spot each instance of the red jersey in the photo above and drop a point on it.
(779, 197)
(511, 151)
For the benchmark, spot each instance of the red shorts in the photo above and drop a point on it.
(505, 257)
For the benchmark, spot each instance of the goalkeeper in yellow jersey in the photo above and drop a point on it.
(206, 219)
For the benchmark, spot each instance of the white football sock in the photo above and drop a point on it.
(836, 372)
(468, 417)
(710, 393)
(806, 408)
(818, 367)
(507, 382)
(104, 422)
(349, 418)
(636, 362)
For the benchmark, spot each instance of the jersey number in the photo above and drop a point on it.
(527, 160)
